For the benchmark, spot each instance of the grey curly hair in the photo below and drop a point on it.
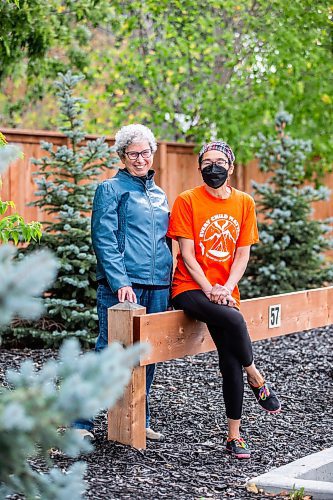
(130, 134)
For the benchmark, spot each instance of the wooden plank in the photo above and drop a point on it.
(31, 136)
(299, 311)
(180, 174)
(173, 335)
(163, 177)
(180, 145)
(17, 186)
(238, 176)
(127, 419)
(5, 191)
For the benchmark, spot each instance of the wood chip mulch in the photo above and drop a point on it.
(187, 406)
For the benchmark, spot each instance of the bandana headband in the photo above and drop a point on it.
(217, 146)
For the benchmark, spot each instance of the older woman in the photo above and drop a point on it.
(129, 224)
(215, 225)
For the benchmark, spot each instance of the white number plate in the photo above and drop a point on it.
(274, 316)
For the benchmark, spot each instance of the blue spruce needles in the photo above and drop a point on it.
(290, 255)
(35, 404)
(67, 177)
(39, 402)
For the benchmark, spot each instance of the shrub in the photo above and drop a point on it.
(66, 179)
(37, 403)
(75, 386)
(289, 256)
(12, 227)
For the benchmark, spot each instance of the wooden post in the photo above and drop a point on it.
(127, 419)
(163, 166)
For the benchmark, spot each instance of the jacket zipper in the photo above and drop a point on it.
(154, 240)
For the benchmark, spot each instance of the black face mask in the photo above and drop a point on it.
(214, 176)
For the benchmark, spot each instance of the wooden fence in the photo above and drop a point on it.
(175, 165)
(173, 335)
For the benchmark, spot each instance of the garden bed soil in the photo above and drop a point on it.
(187, 406)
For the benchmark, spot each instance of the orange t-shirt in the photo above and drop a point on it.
(217, 227)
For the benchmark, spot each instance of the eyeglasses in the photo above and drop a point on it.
(134, 155)
(219, 163)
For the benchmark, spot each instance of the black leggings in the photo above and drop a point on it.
(230, 335)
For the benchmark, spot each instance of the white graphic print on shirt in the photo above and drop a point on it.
(218, 237)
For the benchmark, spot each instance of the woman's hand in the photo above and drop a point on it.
(208, 292)
(126, 293)
(222, 295)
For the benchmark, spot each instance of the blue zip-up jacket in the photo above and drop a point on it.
(129, 222)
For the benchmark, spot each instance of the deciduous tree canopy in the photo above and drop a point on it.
(192, 70)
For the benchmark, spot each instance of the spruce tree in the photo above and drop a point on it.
(35, 403)
(67, 177)
(290, 255)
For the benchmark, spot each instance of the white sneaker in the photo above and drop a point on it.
(153, 435)
(85, 434)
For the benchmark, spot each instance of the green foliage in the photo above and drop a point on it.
(194, 70)
(3, 141)
(20, 284)
(38, 403)
(67, 179)
(39, 38)
(289, 256)
(12, 227)
(297, 494)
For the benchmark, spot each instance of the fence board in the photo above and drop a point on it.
(299, 311)
(175, 165)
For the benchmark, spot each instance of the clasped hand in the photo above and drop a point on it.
(126, 293)
(220, 294)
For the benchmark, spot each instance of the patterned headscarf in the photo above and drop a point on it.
(219, 146)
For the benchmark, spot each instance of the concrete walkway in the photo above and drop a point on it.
(314, 473)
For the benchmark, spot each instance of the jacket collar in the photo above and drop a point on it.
(147, 180)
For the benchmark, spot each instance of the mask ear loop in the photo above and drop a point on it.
(231, 165)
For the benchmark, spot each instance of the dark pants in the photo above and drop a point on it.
(154, 300)
(230, 335)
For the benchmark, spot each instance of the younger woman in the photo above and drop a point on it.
(215, 226)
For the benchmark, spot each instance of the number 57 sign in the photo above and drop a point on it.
(274, 316)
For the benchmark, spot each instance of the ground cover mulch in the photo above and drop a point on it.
(187, 406)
